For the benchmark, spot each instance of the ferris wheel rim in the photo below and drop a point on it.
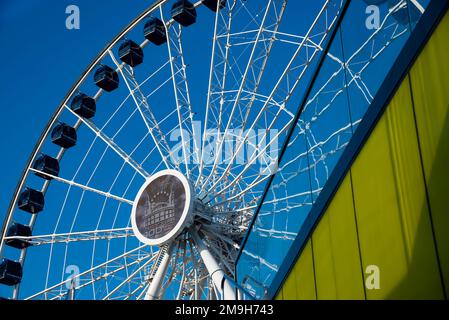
(54, 117)
(63, 105)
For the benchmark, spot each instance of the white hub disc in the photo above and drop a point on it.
(162, 208)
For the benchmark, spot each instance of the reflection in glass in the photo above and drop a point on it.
(358, 61)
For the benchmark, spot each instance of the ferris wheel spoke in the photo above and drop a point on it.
(217, 71)
(91, 279)
(110, 142)
(141, 102)
(88, 272)
(253, 159)
(39, 240)
(129, 278)
(256, 70)
(291, 69)
(259, 70)
(138, 292)
(224, 238)
(252, 89)
(241, 194)
(81, 200)
(81, 186)
(181, 93)
(251, 59)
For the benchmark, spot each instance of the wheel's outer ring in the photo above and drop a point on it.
(52, 122)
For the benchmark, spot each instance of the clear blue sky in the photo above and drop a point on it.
(41, 60)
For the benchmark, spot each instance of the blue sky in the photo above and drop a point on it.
(41, 60)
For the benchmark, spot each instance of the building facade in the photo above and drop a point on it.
(372, 221)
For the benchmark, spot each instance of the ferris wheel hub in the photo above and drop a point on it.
(163, 208)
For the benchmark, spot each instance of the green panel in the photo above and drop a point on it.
(280, 295)
(300, 284)
(289, 289)
(430, 79)
(338, 271)
(391, 207)
(305, 278)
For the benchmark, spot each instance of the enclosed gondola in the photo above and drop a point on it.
(31, 201)
(46, 165)
(84, 106)
(155, 32)
(131, 53)
(10, 272)
(215, 4)
(184, 13)
(17, 231)
(64, 136)
(106, 78)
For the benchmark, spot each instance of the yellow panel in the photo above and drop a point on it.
(338, 272)
(289, 288)
(430, 78)
(304, 274)
(392, 212)
(280, 296)
(300, 284)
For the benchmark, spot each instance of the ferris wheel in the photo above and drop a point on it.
(145, 180)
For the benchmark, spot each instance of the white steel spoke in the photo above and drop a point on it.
(181, 93)
(284, 79)
(100, 266)
(38, 240)
(110, 142)
(81, 186)
(220, 142)
(131, 276)
(159, 139)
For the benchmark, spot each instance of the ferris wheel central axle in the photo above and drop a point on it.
(164, 208)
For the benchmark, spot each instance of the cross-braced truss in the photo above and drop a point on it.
(260, 59)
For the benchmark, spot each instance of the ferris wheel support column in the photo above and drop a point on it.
(156, 284)
(215, 271)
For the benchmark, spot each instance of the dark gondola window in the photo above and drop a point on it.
(64, 136)
(31, 201)
(184, 13)
(10, 272)
(212, 4)
(84, 106)
(155, 32)
(106, 78)
(131, 53)
(48, 165)
(18, 230)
